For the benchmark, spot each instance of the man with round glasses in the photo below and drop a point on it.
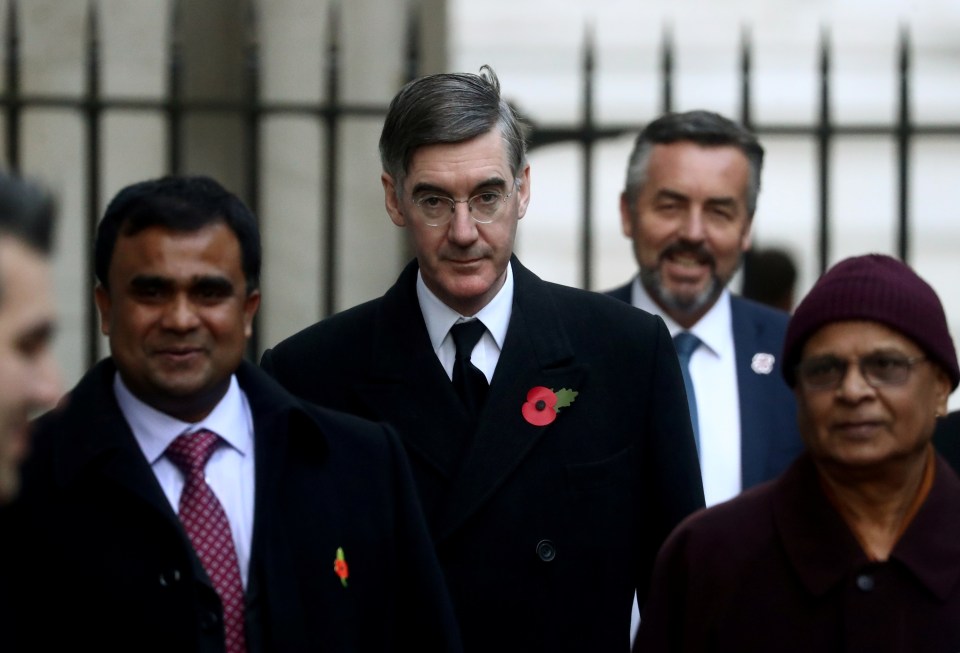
(546, 426)
(879, 369)
(856, 547)
(484, 207)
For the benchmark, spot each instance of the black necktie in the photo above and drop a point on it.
(468, 381)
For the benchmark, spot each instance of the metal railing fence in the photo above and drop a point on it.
(93, 104)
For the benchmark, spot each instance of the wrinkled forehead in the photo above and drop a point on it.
(463, 164)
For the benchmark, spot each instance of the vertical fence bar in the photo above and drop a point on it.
(824, 134)
(412, 70)
(251, 74)
(411, 62)
(13, 87)
(666, 68)
(588, 135)
(329, 286)
(93, 114)
(746, 100)
(903, 148)
(746, 78)
(174, 104)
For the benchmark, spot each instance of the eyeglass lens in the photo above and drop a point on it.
(879, 369)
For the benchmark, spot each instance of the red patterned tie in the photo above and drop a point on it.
(206, 524)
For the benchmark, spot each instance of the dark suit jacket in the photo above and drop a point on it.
(106, 566)
(543, 532)
(778, 569)
(769, 437)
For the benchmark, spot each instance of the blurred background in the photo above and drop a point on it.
(857, 103)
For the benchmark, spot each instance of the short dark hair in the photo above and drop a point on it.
(703, 128)
(180, 203)
(27, 213)
(448, 108)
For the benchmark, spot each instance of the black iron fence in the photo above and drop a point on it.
(93, 104)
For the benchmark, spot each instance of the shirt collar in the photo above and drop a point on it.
(823, 550)
(155, 430)
(713, 329)
(439, 317)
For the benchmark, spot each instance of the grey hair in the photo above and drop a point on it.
(448, 108)
(703, 128)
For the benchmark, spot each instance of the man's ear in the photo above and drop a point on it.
(626, 215)
(391, 201)
(101, 297)
(746, 239)
(250, 306)
(523, 192)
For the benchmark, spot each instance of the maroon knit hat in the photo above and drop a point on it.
(876, 288)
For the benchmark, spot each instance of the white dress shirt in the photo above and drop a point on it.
(230, 470)
(713, 370)
(495, 316)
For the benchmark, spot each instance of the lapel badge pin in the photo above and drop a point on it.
(762, 363)
(340, 567)
(542, 404)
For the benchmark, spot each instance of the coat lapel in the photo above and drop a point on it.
(407, 385)
(273, 576)
(754, 367)
(536, 352)
(108, 448)
(107, 452)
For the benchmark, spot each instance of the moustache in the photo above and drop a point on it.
(696, 250)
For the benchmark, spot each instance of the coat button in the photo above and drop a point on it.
(170, 577)
(865, 582)
(546, 551)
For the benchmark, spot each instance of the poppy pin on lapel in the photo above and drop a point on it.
(542, 404)
(340, 566)
(762, 363)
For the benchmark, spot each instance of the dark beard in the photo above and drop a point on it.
(684, 305)
(676, 304)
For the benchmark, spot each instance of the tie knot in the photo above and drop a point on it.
(191, 451)
(686, 343)
(466, 335)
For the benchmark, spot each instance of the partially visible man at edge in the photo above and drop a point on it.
(546, 425)
(29, 378)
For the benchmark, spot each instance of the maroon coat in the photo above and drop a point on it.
(777, 569)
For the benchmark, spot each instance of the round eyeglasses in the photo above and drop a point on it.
(878, 369)
(484, 207)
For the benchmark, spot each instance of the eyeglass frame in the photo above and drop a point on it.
(910, 362)
(453, 205)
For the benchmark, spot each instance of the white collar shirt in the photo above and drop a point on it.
(495, 316)
(230, 470)
(713, 370)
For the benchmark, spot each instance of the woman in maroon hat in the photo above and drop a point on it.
(856, 547)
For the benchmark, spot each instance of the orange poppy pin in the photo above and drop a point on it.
(340, 566)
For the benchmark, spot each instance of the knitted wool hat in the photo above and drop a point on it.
(875, 288)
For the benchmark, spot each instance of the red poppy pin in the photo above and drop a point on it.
(340, 566)
(543, 403)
